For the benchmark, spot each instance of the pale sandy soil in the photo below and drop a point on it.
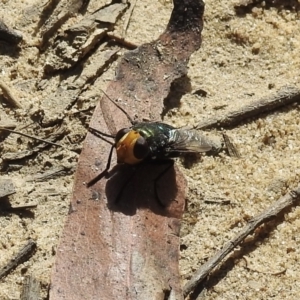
(242, 58)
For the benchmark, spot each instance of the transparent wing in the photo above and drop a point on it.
(184, 140)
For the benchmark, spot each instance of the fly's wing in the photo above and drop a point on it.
(188, 141)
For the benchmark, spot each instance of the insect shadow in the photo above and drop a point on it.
(146, 145)
(149, 185)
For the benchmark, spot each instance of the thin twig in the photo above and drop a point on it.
(26, 153)
(128, 19)
(21, 207)
(217, 201)
(8, 93)
(19, 258)
(283, 97)
(284, 202)
(283, 270)
(30, 136)
(122, 41)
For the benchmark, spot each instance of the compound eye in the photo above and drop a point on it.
(121, 133)
(141, 148)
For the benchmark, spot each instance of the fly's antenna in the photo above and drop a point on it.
(105, 172)
(101, 135)
(120, 108)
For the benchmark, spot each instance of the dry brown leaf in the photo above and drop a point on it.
(129, 249)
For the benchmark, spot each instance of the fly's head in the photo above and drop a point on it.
(131, 147)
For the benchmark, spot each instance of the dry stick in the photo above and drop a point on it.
(286, 95)
(284, 202)
(8, 93)
(24, 253)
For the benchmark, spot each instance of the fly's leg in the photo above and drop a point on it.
(105, 172)
(170, 164)
(118, 198)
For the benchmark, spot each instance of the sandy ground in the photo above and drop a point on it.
(242, 58)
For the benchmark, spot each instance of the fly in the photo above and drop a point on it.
(149, 141)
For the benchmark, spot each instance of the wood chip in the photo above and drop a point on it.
(8, 35)
(10, 95)
(51, 174)
(31, 289)
(76, 41)
(6, 187)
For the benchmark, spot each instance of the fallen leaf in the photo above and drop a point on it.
(129, 249)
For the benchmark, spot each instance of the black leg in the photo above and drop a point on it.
(105, 172)
(124, 187)
(170, 164)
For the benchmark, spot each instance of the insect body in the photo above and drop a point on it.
(151, 141)
(154, 141)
